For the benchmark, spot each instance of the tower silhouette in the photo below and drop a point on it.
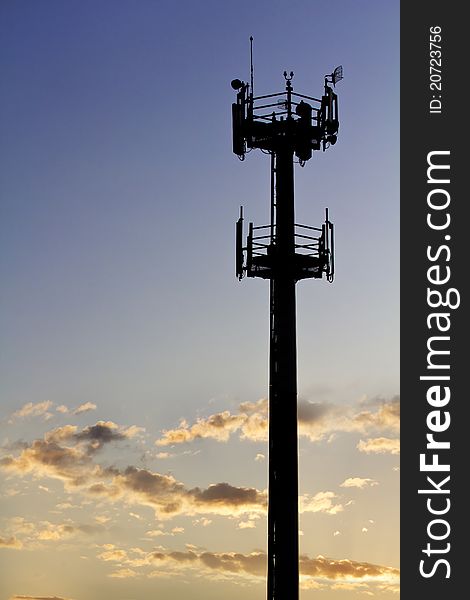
(285, 125)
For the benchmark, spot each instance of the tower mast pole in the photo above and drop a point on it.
(283, 528)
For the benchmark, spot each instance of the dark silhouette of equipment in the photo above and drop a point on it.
(284, 125)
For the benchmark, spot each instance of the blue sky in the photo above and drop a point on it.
(119, 193)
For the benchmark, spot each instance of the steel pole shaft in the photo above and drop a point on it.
(283, 528)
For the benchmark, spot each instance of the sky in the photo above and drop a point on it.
(134, 365)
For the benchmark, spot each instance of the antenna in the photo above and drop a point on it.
(336, 76)
(239, 246)
(251, 65)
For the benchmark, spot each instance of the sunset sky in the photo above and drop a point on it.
(134, 365)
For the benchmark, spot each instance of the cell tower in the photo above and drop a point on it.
(284, 125)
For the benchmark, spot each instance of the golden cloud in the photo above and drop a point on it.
(85, 407)
(25, 534)
(381, 445)
(96, 436)
(323, 502)
(113, 555)
(315, 572)
(67, 454)
(251, 422)
(358, 482)
(317, 421)
(123, 574)
(327, 568)
(49, 459)
(169, 497)
(10, 542)
(19, 597)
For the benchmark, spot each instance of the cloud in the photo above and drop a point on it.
(327, 568)
(19, 597)
(94, 436)
(123, 574)
(67, 454)
(358, 482)
(250, 422)
(381, 445)
(104, 432)
(26, 534)
(317, 421)
(113, 554)
(157, 532)
(204, 521)
(40, 409)
(49, 459)
(246, 525)
(10, 542)
(315, 572)
(102, 519)
(323, 502)
(169, 497)
(85, 407)
(177, 530)
(386, 415)
(52, 532)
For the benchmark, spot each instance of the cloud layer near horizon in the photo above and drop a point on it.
(20, 597)
(319, 572)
